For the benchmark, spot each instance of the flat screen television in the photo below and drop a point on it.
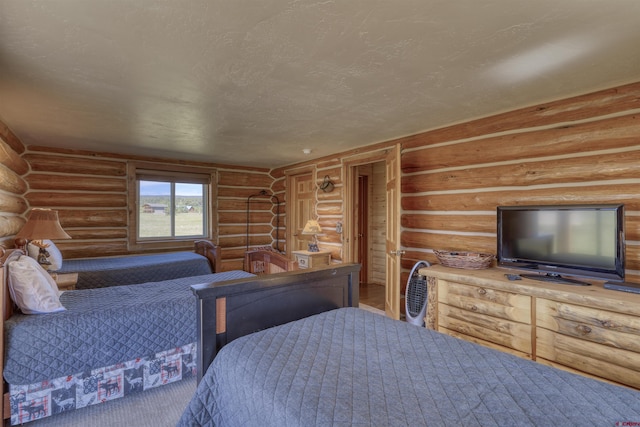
(552, 241)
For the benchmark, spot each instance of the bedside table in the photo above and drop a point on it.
(308, 259)
(65, 281)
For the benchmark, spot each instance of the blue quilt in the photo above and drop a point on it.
(351, 367)
(130, 269)
(102, 327)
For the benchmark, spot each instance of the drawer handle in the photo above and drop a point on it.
(474, 308)
(584, 329)
(482, 291)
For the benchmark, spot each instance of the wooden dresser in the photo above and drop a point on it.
(585, 329)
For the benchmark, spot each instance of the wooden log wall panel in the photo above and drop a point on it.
(76, 165)
(257, 179)
(610, 133)
(604, 166)
(584, 107)
(11, 182)
(76, 249)
(615, 192)
(97, 233)
(111, 218)
(10, 225)
(235, 229)
(11, 160)
(235, 187)
(465, 222)
(240, 218)
(11, 141)
(575, 151)
(55, 199)
(13, 206)
(72, 183)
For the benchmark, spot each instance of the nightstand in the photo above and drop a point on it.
(308, 259)
(65, 281)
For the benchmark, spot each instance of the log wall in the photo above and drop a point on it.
(580, 150)
(584, 149)
(12, 186)
(90, 192)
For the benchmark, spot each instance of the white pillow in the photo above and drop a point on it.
(54, 258)
(32, 288)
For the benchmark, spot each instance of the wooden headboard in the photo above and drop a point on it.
(265, 261)
(211, 252)
(231, 309)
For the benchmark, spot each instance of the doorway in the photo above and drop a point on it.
(370, 230)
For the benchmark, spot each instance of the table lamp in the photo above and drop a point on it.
(42, 224)
(312, 228)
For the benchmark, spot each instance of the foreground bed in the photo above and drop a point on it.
(352, 367)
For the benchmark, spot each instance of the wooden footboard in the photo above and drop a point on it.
(211, 252)
(267, 262)
(229, 310)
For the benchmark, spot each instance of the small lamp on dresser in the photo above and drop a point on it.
(312, 228)
(42, 224)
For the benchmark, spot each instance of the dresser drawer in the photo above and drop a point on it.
(482, 300)
(598, 342)
(488, 316)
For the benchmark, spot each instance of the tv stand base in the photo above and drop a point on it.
(555, 278)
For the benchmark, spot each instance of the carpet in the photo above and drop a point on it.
(159, 407)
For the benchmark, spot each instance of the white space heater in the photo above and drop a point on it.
(415, 297)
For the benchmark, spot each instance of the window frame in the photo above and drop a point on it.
(137, 171)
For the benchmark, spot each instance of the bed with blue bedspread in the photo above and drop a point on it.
(108, 343)
(129, 269)
(126, 270)
(324, 362)
(348, 367)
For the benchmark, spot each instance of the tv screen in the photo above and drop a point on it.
(585, 240)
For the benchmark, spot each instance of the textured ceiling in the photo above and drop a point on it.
(254, 82)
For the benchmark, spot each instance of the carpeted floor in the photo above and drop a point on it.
(160, 407)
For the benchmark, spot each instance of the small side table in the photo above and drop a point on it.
(308, 259)
(65, 281)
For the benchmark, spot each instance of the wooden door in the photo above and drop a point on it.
(393, 252)
(301, 208)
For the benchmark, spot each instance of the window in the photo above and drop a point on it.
(171, 205)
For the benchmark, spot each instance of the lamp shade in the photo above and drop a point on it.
(42, 224)
(312, 227)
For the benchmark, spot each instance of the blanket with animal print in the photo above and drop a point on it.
(102, 327)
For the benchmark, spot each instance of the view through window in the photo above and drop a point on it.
(171, 209)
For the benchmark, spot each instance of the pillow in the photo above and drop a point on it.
(53, 255)
(33, 289)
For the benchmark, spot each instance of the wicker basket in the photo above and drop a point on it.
(465, 260)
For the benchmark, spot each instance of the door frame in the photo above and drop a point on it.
(290, 201)
(350, 169)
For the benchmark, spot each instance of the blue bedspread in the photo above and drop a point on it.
(102, 327)
(130, 269)
(351, 367)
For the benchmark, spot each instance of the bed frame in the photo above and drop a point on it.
(229, 310)
(7, 310)
(267, 261)
(210, 251)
